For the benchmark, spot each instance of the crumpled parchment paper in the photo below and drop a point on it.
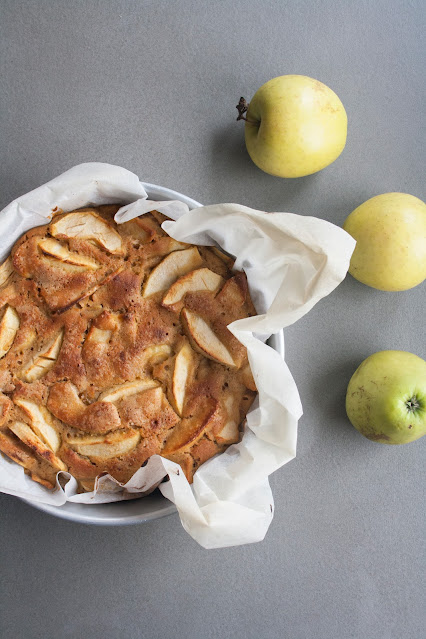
(291, 262)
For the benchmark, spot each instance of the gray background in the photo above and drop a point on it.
(152, 86)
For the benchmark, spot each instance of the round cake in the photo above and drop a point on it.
(114, 347)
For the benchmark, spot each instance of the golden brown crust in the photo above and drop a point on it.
(114, 346)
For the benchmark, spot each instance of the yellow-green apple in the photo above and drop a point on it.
(295, 126)
(386, 397)
(390, 230)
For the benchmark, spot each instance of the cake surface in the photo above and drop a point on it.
(114, 347)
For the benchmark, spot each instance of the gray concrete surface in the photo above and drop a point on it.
(152, 86)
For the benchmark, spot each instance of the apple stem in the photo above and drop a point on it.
(412, 404)
(242, 108)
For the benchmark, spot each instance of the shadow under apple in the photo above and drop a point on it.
(328, 392)
(236, 178)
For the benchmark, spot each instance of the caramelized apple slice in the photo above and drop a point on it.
(55, 249)
(144, 228)
(138, 231)
(229, 261)
(88, 225)
(39, 417)
(170, 244)
(204, 340)
(12, 446)
(9, 326)
(170, 268)
(184, 362)
(57, 310)
(30, 439)
(6, 270)
(234, 292)
(44, 361)
(190, 429)
(203, 279)
(114, 445)
(126, 389)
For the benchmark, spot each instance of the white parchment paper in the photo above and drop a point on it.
(291, 262)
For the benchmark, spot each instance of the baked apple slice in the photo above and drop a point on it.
(157, 353)
(229, 261)
(98, 336)
(102, 328)
(59, 304)
(9, 326)
(5, 408)
(204, 339)
(12, 446)
(88, 225)
(229, 434)
(44, 361)
(174, 265)
(184, 364)
(191, 429)
(234, 293)
(40, 422)
(112, 445)
(226, 430)
(125, 390)
(58, 251)
(30, 439)
(144, 229)
(203, 279)
(6, 270)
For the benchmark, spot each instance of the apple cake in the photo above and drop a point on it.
(114, 347)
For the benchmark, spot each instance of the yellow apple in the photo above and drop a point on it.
(386, 397)
(295, 126)
(390, 231)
